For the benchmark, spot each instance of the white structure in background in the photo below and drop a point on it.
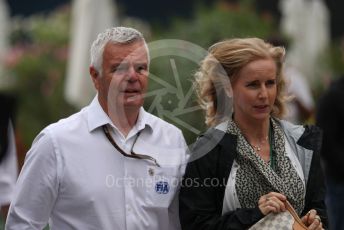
(4, 29)
(306, 22)
(89, 18)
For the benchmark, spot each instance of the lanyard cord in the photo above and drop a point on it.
(132, 155)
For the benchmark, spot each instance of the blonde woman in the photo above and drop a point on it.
(259, 161)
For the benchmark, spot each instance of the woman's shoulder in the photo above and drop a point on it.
(211, 143)
(309, 136)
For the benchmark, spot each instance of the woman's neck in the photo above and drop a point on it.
(255, 131)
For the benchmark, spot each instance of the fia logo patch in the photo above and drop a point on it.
(162, 187)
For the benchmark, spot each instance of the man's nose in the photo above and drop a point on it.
(132, 75)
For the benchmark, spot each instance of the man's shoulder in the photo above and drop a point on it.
(72, 123)
(157, 122)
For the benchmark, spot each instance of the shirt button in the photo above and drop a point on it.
(151, 171)
(128, 208)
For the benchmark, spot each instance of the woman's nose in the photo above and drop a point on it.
(263, 92)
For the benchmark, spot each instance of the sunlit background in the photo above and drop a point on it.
(44, 51)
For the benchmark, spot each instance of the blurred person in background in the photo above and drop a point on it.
(8, 155)
(300, 107)
(110, 166)
(330, 117)
(260, 161)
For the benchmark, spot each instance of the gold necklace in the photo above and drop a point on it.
(258, 147)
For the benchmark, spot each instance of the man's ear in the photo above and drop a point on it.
(95, 76)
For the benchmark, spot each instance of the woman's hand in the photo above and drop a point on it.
(272, 202)
(312, 220)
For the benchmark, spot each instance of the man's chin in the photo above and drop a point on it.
(133, 104)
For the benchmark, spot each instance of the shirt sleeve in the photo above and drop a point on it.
(8, 170)
(37, 187)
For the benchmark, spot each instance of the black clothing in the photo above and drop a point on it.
(330, 117)
(7, 103)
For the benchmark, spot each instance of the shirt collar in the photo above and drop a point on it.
(96, 117)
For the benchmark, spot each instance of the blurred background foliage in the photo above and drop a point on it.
(208, 25)
(40, 51)
(221, 21)
(37, 63)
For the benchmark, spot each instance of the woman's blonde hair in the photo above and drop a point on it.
(222, 65)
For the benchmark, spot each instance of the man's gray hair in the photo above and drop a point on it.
(122, 35)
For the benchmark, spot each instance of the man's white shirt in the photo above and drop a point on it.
(75, 178)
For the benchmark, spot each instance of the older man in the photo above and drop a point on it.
(110, 166)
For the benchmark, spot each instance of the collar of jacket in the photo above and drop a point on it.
(304, 141)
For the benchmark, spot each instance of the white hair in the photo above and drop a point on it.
(121, 35)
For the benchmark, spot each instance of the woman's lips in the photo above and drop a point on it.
(261, 108)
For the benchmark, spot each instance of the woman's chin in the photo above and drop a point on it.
(262, 116)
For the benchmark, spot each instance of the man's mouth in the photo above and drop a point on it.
(132, 94)
(132, 91)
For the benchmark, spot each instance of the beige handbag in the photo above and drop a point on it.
(288, 220)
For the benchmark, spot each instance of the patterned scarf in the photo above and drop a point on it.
(255, 177)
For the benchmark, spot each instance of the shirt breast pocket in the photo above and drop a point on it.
(165, 182)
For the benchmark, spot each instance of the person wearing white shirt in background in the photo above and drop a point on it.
(300, 107)
(8, 170)
(110, 166)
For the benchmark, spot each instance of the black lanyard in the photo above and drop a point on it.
(132, 155)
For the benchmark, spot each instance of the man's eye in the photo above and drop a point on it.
(119, 68)
(141, 69)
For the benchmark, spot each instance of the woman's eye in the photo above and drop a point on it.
(252, 85)
(271, 82)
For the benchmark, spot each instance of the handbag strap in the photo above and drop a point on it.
(292, 211)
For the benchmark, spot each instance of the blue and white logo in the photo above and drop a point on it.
(162, 187)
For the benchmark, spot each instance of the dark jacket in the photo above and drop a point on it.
(330, 117)
(201, 201)
(8, 108)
